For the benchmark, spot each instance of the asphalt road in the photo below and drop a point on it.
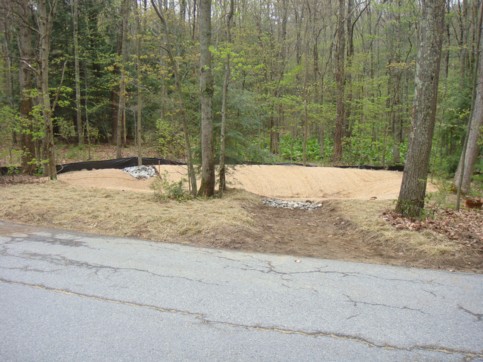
(67, 296)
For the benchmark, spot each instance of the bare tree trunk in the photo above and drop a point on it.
(75, 19)
(469, 154)
(5, 25)
(86, 107)
(394, 83)
(277, 74)
(121, 111)
(139, 105)
(431, 30)
(25, 45)
(45, 28)
(348, 73)
(207, 187)
(182, 108)
(340, 80)
(226, 81)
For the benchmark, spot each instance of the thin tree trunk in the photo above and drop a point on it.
(139, 106)
(182, 108)
(226, 81)
(75, 19)
(340, 79)
(207, 187)
(25, 45)
(394, 83)
(45, 27)
(121, 111)
(348, 73)
(431, 30)
(8, 80)
(277, 74)
(86, 107)
(120, 114)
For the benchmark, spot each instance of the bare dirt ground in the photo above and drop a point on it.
(288, 182)
(349, 225)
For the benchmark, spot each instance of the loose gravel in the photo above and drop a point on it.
(285, 204)
(141, 172)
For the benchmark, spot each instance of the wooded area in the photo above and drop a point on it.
(331, 82)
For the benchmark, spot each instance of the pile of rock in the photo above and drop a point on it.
(285, 204)
(141, 172)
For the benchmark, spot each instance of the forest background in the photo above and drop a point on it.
(330, 82)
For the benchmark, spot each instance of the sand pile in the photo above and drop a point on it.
(295, 182)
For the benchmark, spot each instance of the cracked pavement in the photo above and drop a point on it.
(79, 297)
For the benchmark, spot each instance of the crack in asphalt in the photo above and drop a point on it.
(478, 316)
(202, 318)
(269, 268)
(63, 261)
(430, 292)
(356, 302)
(27, 268)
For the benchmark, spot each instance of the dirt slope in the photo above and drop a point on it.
(270, 181)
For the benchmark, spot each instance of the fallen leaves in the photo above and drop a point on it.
(464, 226)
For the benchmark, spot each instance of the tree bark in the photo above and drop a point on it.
(340, 80)
(470, 154)
(45, 28)
(226, 81)
(348, 73)
(179, 95)
(121, 111)
(394, 82)
(413, 188)
(207, 187)
(25, 45)
(78, 106)
(139, 105)
(277, 74)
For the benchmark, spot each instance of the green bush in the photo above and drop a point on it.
(168, 190)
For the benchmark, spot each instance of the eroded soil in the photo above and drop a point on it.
(328, 233)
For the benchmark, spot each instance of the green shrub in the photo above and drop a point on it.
(170, 190)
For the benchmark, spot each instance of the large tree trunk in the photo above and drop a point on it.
(46, 11)
(413, 187)
(470, 154)
(207, 187)
(340, 80)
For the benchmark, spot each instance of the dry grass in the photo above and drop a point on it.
(341, 229)
(121, 213)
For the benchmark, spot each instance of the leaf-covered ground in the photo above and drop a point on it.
(464, 227)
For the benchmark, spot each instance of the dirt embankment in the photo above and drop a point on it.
(295, 182)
